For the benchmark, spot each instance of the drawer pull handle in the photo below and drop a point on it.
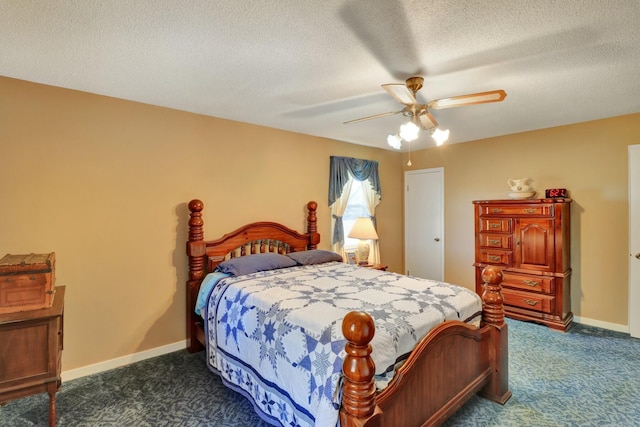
(494, 258)
(494, 242)
(531, 283)
(496, 210)
(494, 225)
(10, 279)
(530, 211)
(530, 302)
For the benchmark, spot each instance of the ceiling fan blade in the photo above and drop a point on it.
(376, 116)
(401, 93)
(427, 121)
(474, 98)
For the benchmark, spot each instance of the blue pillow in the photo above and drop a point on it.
(254, 263)
(315, 256)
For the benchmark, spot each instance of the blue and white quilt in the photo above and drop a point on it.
(275, 336)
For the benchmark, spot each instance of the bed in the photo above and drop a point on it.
(439, 373)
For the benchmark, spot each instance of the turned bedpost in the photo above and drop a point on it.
(358, 386)
(492, 299)
(196, 254)
(195, 251)
(312, 225)
(493, 314)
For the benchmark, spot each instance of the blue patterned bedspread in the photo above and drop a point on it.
(276, 336)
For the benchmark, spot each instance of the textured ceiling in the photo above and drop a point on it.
(308, 66)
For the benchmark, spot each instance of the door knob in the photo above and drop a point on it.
(437, 239)
(637, 255)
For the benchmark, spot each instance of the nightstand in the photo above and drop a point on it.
(31, 353)
(381, 267)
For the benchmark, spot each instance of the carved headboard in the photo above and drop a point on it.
(257, 237)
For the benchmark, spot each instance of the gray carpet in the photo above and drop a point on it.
(585, 377)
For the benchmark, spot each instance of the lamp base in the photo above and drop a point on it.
(362, 254)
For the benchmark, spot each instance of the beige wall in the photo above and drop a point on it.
(590, 160)
(105, 184)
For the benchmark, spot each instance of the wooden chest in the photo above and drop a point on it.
(530, 240)
(26, 282)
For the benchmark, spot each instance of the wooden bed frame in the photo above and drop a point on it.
(453, 362)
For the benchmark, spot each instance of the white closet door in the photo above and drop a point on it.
(424, 223)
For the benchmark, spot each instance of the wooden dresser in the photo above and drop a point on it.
(530, 240)
(31, 353)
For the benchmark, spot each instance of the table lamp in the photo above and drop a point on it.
(364, 231)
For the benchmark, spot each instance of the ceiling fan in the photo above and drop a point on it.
(419, 113)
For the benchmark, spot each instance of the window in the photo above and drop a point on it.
(356, 207)
(354, 191)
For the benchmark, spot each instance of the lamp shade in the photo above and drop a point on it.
(394, 141)
(409, 131)
(440, 136)
(363, 229)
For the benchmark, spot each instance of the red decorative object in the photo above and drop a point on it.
(555, 192)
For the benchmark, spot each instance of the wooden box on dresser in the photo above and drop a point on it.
(530, 240)
(31, 353)
(27, 282)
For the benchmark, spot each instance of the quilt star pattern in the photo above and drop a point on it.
(276, 336)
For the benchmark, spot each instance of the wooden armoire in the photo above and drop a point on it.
(530, 240)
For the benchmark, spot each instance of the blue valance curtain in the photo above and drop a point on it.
(360, 169)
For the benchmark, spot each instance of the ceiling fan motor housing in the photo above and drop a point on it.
(414, 84)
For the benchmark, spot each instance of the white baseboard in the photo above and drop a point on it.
(180, 345)
(600, 324)
(72, 374)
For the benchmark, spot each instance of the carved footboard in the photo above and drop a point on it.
(452, 363)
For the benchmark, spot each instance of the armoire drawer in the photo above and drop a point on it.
(495, 257)
(529, 283)
(496, 241)
(496, 225)
(530, 301)
(532, 209)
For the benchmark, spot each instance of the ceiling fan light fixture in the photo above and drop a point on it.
(420, 117)
(440, 136)
(394, 141)
(409, 131)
